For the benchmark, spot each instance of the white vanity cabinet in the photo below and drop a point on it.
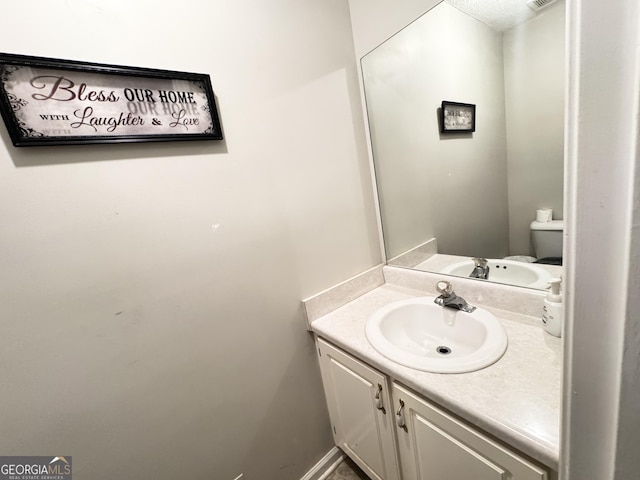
(434, 445)
(400, 435)
(361, 412)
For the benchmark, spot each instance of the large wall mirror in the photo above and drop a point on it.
(447, 198)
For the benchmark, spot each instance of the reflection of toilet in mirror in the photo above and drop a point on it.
(547, 241)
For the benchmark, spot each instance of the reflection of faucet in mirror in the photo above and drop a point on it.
(480, 268)
(449, 299)
(518, 75)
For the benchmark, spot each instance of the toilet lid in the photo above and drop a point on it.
(552, 225)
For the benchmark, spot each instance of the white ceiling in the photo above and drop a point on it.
(499, 14)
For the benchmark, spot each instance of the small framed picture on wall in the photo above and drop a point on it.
(457, 117)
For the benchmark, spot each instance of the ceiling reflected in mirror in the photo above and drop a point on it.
(501, 15)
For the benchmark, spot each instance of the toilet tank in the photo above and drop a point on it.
(547, 238)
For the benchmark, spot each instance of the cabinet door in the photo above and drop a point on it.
(434, 445)
(360, 410)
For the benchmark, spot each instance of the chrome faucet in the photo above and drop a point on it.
(448, 298)
(480, 269)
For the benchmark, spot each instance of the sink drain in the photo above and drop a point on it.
(442, 350)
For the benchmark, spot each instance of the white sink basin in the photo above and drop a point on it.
(419, 334)
(510, 272)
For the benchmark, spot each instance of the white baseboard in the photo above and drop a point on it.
(326, 465)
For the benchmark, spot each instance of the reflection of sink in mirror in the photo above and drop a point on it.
(419, 334)
(521, 274)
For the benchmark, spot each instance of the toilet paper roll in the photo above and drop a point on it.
(544, 215)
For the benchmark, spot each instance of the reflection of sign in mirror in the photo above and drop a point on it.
(458, 117)
(46, 101)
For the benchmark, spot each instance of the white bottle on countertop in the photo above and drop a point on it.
(552, 311)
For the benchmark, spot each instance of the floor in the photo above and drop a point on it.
(347, 470)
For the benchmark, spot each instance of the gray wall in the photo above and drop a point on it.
(453, 187)
(374, 21)
(150, 294)
(534, 67)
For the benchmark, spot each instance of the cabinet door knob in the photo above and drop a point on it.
(400, 417)
(379, 404)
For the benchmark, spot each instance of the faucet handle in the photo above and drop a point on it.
(480, 262)
(445, 288)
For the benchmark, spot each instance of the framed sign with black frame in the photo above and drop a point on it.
(457, 117)
(48, 101)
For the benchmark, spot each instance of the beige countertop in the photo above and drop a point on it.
(517, 399)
